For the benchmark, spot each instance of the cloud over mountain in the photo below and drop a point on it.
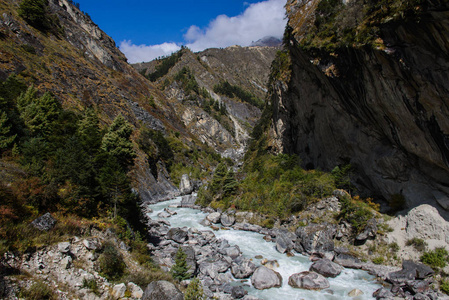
(266, 18)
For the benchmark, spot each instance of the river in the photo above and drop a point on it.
(252, 244)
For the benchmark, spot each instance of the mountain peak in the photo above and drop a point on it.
(267, 41)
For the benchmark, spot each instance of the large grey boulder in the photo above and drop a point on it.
(383, 294)
(285, 241)
(188, 201)
(177, 234)
(162, 290)
(64, 247)
(326, 268)
(410, 271)
(227, 220)
(44, 222)
(185, 186)
(214, 217)
(264, 278)
(315, 238)
(118, 291)
(308, 280)
(243, 269)
(233, 252)
(238, 292)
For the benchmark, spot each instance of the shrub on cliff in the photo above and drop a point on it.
(436, 259)
(111, 263)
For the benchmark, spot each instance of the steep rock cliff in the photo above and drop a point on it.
(384, 110)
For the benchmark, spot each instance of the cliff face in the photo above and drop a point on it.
(383, 110)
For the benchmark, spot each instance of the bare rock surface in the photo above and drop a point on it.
(422, 222)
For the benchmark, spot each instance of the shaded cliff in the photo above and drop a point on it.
(377, 101)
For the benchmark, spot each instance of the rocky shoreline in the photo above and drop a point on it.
(213, 260)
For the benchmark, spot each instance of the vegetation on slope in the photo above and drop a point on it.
(227, 89)
(166, 63)
(357, 23)
(63, 161)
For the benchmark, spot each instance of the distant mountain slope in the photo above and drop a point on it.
(244, 67)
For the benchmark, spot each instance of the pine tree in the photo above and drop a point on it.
(38, 113)
(229, 183)
(116, 142)
(34, 12)
(180, 269)
(5, 135)
(194, 290)
(217, 180)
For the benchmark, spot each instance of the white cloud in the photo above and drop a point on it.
(260, 19)
(266, 18)
(144, 53)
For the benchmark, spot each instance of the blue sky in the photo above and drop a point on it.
(145, 30)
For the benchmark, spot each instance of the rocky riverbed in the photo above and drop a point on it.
(235, 258)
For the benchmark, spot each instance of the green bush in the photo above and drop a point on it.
(378, 260)
(436, 259)
(444, 286)
(356, 213)
(194, 290)
(38, 291)
(91, 284)
(111, 263)
(419, 244)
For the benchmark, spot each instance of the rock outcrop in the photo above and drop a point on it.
(162, 290)
(383, 110)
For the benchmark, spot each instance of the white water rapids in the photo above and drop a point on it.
(252, 244)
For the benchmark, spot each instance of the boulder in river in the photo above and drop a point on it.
(214, 217)
(162, 290)
(285, 241)
(238, 292)
(227, 220)
(264, 278)
(308, 280)
(177, 234)
(243, 269)
(326, 268)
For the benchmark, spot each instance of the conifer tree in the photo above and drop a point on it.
(38, 113)
(5, 136)
(194, 290)
(180, 269)
(34, 12)
(217, 180)
(116, 142)
(229, 183)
